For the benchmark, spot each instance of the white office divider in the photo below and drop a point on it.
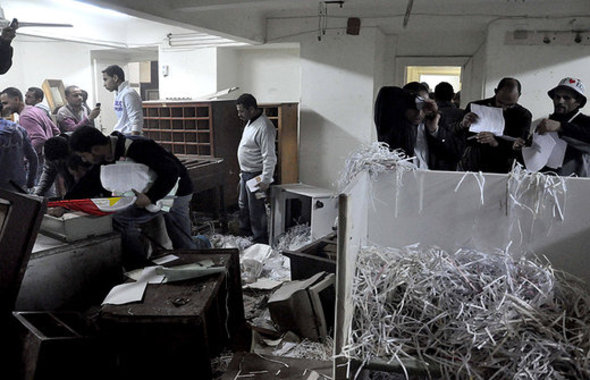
(453, 210)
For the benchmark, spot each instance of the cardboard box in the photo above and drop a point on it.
(76, 225)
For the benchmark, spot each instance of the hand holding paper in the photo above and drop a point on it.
(490, 119)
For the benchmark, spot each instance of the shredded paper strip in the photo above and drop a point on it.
(469, 314)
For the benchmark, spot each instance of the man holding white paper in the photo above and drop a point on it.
(490, 127)
(257, 159)
(571, 126)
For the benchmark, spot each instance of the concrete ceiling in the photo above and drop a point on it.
(98, 25)
(248, 20)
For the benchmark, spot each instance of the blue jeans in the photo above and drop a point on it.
(253, 220)
(128, 222)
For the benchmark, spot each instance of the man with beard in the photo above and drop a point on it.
(73, 114)
(571, 125)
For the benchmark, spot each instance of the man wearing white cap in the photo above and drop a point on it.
(571, 125)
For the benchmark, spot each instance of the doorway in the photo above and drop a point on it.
(433, 75)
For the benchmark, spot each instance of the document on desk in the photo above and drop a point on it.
(490, 119)
(537, 155)
(126, 293)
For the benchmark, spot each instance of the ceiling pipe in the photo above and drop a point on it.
(408, 11)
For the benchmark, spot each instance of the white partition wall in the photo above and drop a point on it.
(445, 209)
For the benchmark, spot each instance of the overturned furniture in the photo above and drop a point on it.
(452, 210)
(296, 204)
(305, 307)
(317, 256)
(178, 326)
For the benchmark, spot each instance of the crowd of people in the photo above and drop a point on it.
(59, 153)
(439, 135)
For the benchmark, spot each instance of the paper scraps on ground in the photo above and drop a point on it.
(125, 293)
(264, 284)
(537, 155)
(558, 154)
(491, 119)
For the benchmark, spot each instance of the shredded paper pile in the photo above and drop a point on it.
(469, 314)
(375, 158)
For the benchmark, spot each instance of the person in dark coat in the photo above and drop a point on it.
(406, 118)
(6, 51)
(484, 151)
(571, 125)
(443, 94)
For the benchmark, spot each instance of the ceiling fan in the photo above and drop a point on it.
(4, 22)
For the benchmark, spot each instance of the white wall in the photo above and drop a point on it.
(36, 59)
(270, 74)
(473, 77)
(227, 68)
(337, 87)
(538, 67)
(192, 73)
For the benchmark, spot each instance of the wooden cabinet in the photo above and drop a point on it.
(213, 129)
(209, 128)
(284, 117)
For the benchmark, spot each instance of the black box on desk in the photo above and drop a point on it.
(178, 326)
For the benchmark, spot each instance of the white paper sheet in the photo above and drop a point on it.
(490, 119)
(125, 293)
(253, 183)
(557, 155)
(149, 275)
(536, 156)
(164, 259)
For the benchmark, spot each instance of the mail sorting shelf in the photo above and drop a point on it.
(182, 128)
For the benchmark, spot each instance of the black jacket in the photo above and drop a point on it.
(394, 129)
(576, 161)
(5, 56)
(166, 166)
(484, 157)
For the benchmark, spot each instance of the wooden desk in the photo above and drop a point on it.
(177, 328)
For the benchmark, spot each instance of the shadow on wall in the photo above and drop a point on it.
(323, 147)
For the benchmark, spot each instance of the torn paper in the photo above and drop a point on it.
(125, 293)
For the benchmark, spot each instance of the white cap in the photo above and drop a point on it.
(573, 84)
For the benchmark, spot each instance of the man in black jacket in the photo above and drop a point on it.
(407, 119)
(571, 125)
(96, 148)
(484, 151)
(8, 34)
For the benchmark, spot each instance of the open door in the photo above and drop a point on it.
(20, 218)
